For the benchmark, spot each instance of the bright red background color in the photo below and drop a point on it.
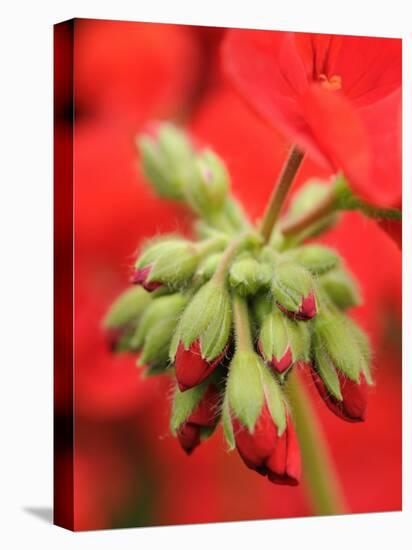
(128, 469)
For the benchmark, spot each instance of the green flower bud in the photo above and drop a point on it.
(127, 308)
(168, 261)
(195, 414)
(235, 214)
(206, 192)
(339, 342)
(249, 386)
(283, 342)
(313, 192)
(294, 291)
(123, 316)
(315, 258)
(202, 335)
(167, 161)
(277, 240)
(342, 380)
(156, 328)
(247, 275)
(208, 267)
(341, 288)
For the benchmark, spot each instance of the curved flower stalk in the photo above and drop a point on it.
(231, 313)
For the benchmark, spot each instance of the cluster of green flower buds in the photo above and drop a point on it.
(230, 317)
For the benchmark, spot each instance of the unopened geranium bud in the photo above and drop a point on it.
(256, 421)
(170, 262)
(293, 289)
(207, 267)
(341, 368)
(341, 288)
(202, 336)
(156, 328)
(315, 258)
(168, 161)
(121, 319)
(207, 190)
(235, 214)
(283, 342)
(268, 452)
(247, 276)
(352, 402)
(313, 192)
(344, 343)
(195, 414)
(141, 277)
(127, 308)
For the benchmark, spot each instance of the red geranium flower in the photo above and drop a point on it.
(337, 97)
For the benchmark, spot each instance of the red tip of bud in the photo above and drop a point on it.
(307, 309)
(284, 363)
(191, 368)
(267, 453)
(278, 365)
(189, 437)
(352, 408)
(140, 276)
(205, 415)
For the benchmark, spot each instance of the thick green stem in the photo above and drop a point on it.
(286, 178)
(321, 477)
(242, 326)
(325, 207)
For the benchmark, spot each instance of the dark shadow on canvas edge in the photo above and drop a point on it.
(44, 513)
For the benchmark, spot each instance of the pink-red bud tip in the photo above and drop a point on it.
(191, 368)
(140, 277)
(279, 365)
(307, 309)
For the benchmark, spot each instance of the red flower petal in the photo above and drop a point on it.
(356, 130)
(284, 466)
(267, 453)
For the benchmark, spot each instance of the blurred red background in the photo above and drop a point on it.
(128, 469)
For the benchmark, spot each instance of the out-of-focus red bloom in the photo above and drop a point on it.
(266, 452)
(354, 397)
(105, 385)
(191, 368)
(129, 72)
(102, 480)
(332, 95)
(204, 416)
(366, 144)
